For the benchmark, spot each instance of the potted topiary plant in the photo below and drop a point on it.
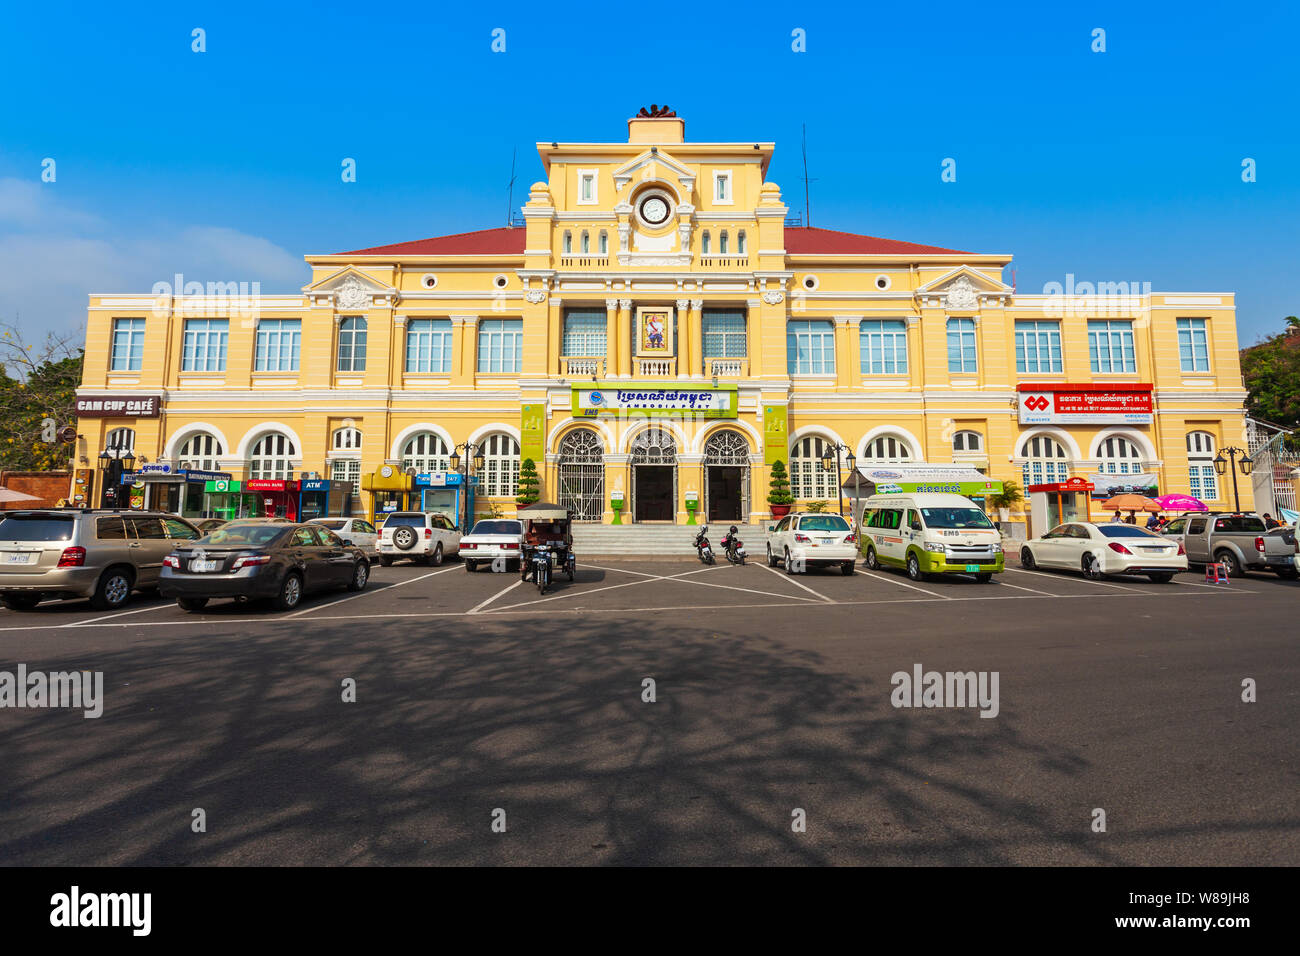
(818, 507)
(1003, 501)
(778, 495)
(528, 483)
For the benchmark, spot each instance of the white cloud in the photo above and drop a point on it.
(53, 256)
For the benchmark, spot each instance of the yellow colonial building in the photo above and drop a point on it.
(654, 335)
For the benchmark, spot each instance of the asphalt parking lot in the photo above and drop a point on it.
(772, 695)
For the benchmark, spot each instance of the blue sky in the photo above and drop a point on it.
(224, 165)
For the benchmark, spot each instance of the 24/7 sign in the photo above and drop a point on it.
(1085, 405)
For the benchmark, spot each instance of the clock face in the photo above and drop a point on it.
(654, 210)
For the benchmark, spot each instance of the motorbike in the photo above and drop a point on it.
(733, 547)
(702, 546)
(540, 561)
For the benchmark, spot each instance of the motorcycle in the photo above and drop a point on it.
(733, 547)
(702, 546)
(540, 564)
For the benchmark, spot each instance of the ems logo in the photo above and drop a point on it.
(597, 398)
(1037, 403)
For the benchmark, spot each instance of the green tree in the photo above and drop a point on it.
(779, 485)
(1271, 371)
(38, 385)
(529, 484)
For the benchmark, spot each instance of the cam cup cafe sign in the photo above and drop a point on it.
(118, 406)
(1060, 404)
(604, 398)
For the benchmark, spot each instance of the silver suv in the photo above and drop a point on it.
(424, 537)
(98, 554)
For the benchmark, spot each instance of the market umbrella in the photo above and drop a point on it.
(1130, 503)
(8, 494)
(1181, 503)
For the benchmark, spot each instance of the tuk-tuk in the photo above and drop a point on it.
(548, 532)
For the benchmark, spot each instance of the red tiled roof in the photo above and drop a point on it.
(485, 242)
(809, 240)
(799, 240)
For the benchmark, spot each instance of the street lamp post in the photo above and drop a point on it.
(832, 463)
(475, 452)
(1223, 465)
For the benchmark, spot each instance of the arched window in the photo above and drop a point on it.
(202, 452)
(1119, 456)
(1045, 461)
(346, 439)
(604, 242)
(740, 243)
(886, 449)
(500, 478)
(586, 242)
(966, 442)
(1202, 482)
(722, 243)
(272, 457)
(704, 243)
(809, 481)
(726, 447)
(582, 474)
(426, 451)
(119, 441)
(567, 245)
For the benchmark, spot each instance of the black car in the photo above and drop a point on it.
(249, 561)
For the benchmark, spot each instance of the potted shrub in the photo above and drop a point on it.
(779, 498)
(817, 507)
(1010, 495)
(528, 483)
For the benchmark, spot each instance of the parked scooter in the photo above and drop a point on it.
(702, 546)
(733, 547)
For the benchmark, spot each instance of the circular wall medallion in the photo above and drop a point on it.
(429, 280)
(386, 471)
(882, 282)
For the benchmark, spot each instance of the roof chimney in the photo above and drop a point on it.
(656, 124)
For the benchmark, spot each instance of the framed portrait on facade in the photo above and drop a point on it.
(654, 331)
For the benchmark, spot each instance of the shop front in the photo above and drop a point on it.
(274, 498)
(1058, 503)
(389, 489)
(322, 497)
(158, 488)
(226, 499)
(446, 492)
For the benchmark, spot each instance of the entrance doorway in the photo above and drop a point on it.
(726, 476)
(582, 474)
(654, 475)
(725, 493)
(653, 487)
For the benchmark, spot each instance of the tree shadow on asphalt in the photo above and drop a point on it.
(544, 720)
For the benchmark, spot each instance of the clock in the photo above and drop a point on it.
(654, 210)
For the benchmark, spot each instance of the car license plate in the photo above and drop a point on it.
(17, 557)
(1155, 550)
(972, 567)
(200, 566)
(826, 540)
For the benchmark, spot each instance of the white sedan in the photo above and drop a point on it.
(496, 542)
(356, 531)
(1101, 549)
(808, 539)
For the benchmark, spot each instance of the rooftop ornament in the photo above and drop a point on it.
(655, 112)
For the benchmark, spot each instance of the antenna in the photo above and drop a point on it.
(807, 209)
(510, 200)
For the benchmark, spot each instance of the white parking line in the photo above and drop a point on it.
(353, 597)
(790, 578)
(107, 617)
(891, 580)
(1102, 584)
(478, 607)
(1003, 584)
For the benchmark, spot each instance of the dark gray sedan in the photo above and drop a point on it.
(259, 561)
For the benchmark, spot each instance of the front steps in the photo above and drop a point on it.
(659, 540)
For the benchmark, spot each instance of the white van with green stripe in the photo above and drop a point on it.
(930, 534)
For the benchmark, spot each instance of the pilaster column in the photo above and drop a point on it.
(697, 369)
(690, 477)
(464, 330)
(624, 338)
(848, 367)
(396, 352)
(686, 359)
(611, 339)
(617, 478)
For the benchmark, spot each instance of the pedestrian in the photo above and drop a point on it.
(1118, 519)
(1132, 518)
(1270, 522)
(1155, 521)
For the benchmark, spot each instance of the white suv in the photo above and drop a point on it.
(808, 539)
(424, 537)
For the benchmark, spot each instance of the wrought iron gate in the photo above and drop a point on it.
(727, 447)
(582, 474)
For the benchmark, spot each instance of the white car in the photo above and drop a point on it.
(492, 539)
(425, 537)
(804, 539)
(356, 531)
(1101, 549)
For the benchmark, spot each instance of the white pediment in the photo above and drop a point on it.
(652, 166)
(962, 289)
(350, 288)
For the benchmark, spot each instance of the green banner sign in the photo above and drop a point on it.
(776, 433)
(532, 434)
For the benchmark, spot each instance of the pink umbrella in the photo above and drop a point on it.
(1181, 503)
